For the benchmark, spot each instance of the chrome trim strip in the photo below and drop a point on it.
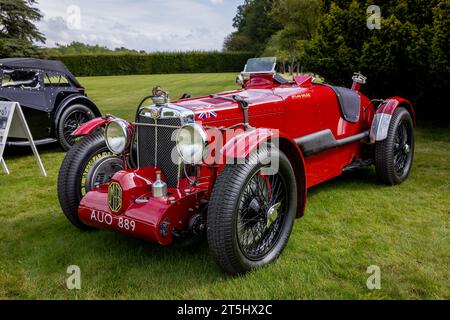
(156, 144)
(380, 127)
(155, 125)
(168, 111)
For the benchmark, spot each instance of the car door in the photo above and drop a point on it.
(302, 114)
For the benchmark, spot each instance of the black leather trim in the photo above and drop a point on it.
(325, 140)
(316, 142)
(349, 102)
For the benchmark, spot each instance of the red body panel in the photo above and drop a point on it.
(285, 112)
(144, 219)
(243, 144)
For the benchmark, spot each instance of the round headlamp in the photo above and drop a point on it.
(191, 143)
(117, 136)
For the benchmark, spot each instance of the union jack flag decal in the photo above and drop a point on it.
(207, 114)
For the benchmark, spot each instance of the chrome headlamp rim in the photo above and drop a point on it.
(204, 141)
(125, 131)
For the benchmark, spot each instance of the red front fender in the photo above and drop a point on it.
(242, 145)
(91, 126)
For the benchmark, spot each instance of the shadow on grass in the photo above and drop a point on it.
(17, 152)
(357, 180)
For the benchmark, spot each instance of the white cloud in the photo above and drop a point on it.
(151, 25)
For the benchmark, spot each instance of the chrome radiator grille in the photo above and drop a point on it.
(155, 146)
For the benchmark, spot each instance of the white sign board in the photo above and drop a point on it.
(14, 125)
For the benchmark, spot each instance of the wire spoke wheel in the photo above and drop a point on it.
(88, 164)
(72, 117)
(99, 170)
(261, 214)
(72, 122)
(402, 148)
(252, 211)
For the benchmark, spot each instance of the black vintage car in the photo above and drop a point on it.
(52, 99)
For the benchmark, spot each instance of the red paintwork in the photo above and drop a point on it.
(244, 143)
(91, 126)
(302, 80)
(282, 112)
(148, 217)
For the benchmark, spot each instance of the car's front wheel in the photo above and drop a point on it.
(88, 164)
(71, 119)
(251, 212)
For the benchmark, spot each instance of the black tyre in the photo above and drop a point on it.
(395, 155)
(87, 164)
(251, 213)
(72, 118)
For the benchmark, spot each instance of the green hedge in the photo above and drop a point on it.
(154, 63)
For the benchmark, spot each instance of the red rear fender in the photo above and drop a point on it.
(383, 117)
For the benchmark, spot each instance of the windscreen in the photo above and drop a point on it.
(260, 65)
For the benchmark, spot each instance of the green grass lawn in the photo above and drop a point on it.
(351, 223)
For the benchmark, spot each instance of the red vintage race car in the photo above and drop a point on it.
(235, 166)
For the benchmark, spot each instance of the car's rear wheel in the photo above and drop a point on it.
(71, 119)
(251, 212)
(395, 155)
(88, 164)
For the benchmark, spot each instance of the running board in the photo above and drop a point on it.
(27, 144)
(325, 140)
(358, 164)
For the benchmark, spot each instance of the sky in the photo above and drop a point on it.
(150, 25)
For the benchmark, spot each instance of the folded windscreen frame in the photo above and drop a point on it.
(261, 65)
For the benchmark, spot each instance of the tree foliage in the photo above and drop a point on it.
(154, 63)
(18, 31)
(300, 20)
(408, 56)
(254, 27)
(79, 48)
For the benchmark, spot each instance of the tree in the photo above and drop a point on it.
(18, 32)
(254, 27)
(237, 42)
(408, 56)
(440, 44)
(301, 22)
